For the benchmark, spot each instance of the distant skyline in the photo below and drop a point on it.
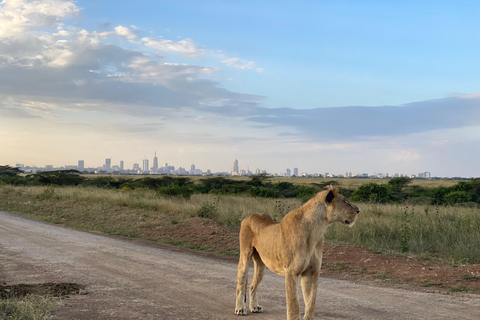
(143, 166)
(338, 86)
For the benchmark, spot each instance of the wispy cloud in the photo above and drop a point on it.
(242, 64)
(186, 47)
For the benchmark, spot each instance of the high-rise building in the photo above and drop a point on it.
(122, 165)
(424, 175)
(81, 165)
(295, 172)
(108, 165)
(288, 172)
(155, 163)
(192, 167)
(235, 170)
(136, 167)
(145, 167)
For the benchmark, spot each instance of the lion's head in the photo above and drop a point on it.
(339, 208)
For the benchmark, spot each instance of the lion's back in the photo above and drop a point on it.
(257, 222)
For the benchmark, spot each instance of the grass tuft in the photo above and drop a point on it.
(31, 307)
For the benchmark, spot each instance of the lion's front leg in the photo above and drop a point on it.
(291, 288)
(309, 289)
(310, 278)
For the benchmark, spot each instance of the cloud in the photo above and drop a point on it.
(241, 64)
(341, 123)
(17, 17)
(11, 112)
(130, 35)
(81, 68)
(406, 156)
(186, 47)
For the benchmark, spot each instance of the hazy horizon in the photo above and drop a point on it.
(324, 86)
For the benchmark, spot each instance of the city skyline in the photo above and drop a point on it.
(351, 86)
(166, 168)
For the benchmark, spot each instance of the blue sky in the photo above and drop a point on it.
(325, 86)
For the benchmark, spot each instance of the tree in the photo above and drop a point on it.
(397, 184)
(7, 171)
(60, 177)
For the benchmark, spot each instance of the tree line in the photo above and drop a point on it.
(397, 190)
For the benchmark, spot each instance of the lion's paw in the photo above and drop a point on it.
(241, 312)
(257, 309)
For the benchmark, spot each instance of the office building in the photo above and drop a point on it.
(108, 165)
(145, 167)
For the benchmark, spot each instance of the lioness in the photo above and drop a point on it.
(291, 248)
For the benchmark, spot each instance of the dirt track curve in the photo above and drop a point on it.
(129, 279)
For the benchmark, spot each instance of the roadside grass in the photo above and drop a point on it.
(135, 213)
(31, 307)
(446, 232)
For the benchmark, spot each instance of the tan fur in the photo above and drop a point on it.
(292, 248)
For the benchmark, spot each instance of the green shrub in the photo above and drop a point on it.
(208, 211)
(372, 192)
(264, 192)
(175, 190)
(456, 197)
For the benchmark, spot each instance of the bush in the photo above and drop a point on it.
(263, 192)
(457, 197)
(175, 190)
(208, 211)
(372, 192)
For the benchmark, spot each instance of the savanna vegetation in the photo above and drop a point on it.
(397, 215)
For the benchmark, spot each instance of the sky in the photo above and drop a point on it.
(324, 86)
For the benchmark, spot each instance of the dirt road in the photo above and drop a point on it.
(131, 279)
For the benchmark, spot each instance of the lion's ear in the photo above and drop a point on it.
(332, 194)
(330, 197)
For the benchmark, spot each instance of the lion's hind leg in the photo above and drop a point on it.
(246, 252)
(257, 278)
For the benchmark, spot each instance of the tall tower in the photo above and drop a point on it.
(155, 163)
(235, 170)
(295, 172)
(122, 165)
